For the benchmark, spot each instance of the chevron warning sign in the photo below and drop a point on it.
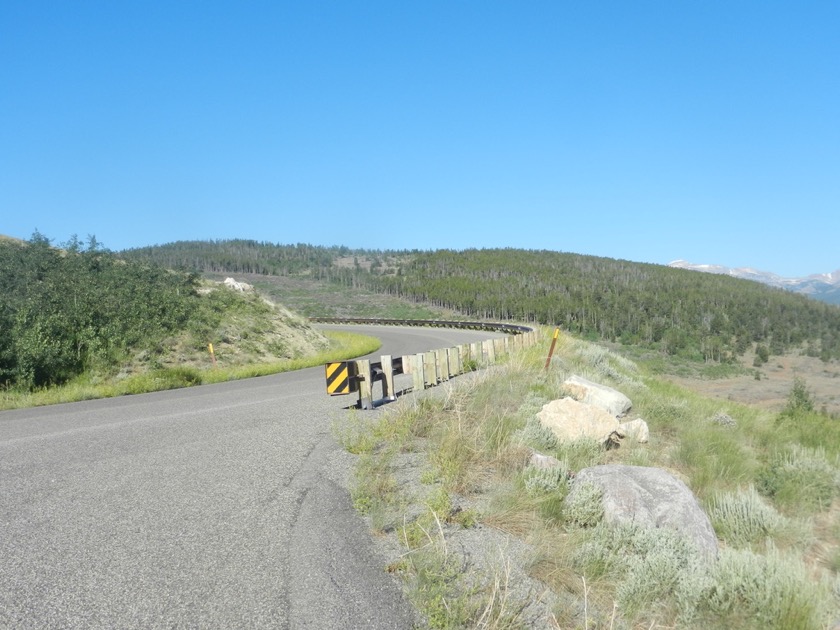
(340, 378)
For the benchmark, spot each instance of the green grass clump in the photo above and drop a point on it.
(435, 587)
(158, 380)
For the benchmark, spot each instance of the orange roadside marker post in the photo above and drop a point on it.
(551, 349)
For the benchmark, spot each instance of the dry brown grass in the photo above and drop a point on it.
(777, 377)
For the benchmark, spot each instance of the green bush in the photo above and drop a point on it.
(535, 435)
(68, 311)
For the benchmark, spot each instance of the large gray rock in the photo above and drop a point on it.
(591, 393)
(650, 497)
(571, 420)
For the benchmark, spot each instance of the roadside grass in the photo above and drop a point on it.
(343, 345)
(770, 492)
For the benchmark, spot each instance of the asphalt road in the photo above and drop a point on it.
(220, 506)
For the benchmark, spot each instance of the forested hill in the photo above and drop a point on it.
(247, 256)
(701, 316)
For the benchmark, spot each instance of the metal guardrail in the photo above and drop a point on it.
(512, 329)
(427, 368)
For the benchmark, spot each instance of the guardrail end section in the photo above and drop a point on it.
(341, 378)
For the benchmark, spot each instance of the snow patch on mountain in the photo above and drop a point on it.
(821, 286)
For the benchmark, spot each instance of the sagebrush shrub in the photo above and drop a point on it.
(743, 518)
(800, 478)
(764, 591)
(535, 435)
(546, 480)
(584, 507)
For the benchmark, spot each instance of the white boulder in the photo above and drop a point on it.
(237, 286)
(635, 429)
(571, 420)
(607, 398)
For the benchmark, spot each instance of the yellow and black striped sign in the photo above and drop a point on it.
(340, 378)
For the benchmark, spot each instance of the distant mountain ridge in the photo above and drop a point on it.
(821, 286)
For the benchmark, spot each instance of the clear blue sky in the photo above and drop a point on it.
(647, 131)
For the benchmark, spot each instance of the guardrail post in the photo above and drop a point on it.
(499, 347)
(418, 372)
(454, 362)
(430, 369)
(365, 384)
(489, 350)
(464, 355)
(475, 352)
(442, 365)
(388, 390)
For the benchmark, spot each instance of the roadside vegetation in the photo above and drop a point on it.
(481, 539)
(79, 323)
(679, 313)
(341, 346)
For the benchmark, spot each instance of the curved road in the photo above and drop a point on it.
(220, 506)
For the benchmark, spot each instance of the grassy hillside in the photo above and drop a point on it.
(481, 539)
(80, 322)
